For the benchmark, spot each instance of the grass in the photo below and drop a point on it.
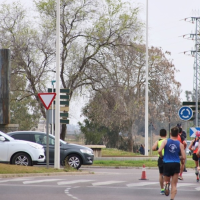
(134, 163)
(18, 169)
(111, 152)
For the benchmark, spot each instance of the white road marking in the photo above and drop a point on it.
(40, 181)
(197, 188)
(106, 183)
(141, 184)
(188, 174)
(184, 184)
(73, 182)
(13, 180)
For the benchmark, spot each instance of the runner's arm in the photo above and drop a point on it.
(182, 151)
(184, 144)
(198, 151)
(155, 146)
(190, 146)
(162, 147)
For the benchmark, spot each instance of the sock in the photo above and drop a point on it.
(162, 189)
(180, 175)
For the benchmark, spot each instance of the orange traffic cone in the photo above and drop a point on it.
(143, 177)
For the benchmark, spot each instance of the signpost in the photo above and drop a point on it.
(47, 99)
(193, 131)
(185, 113)
(64, 105)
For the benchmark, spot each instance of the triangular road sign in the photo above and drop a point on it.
(47, 98)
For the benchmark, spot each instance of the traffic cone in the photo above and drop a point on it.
(143, 177)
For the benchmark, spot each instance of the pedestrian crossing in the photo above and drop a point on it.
(73, 182)
(94, 183)
(41, 181)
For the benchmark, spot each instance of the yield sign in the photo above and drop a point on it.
(47, 98)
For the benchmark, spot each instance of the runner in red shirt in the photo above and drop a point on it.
(194, 147)
(182, 140)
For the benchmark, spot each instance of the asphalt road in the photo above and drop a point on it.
(99, 184)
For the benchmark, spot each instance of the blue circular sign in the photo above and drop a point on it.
(185, 113)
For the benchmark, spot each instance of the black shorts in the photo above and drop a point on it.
(160, 165)
(171, 168)
(194, 157)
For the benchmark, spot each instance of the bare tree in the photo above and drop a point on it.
(119, 97)
(89, 29)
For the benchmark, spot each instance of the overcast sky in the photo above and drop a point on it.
(166, 29)
(167, 26)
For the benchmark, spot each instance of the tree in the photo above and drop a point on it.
(98, 135)
(119, 102)
(31, 56)
(89, 30)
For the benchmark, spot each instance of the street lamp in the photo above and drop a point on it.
(169, 118)
(57, 113)
(146, 88)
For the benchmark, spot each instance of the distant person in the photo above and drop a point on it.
(181, 139)
(184, 137)
(194, 147)
(141, 149)
(156, 146)
(172, 149)
(41, 140)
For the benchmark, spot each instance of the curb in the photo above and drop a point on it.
(44, 174)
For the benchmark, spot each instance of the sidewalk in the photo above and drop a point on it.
(130, 158)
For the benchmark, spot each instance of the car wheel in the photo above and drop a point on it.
(74, 161)
(21, 159)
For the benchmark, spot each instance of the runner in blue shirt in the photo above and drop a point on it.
(172, 147)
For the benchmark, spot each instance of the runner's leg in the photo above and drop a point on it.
(167, 184)
(174, 185)
(181, 169)
(161, 181)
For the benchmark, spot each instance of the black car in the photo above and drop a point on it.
(76, 155)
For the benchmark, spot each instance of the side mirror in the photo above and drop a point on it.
(2, 139)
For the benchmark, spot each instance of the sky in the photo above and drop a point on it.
(167, 25)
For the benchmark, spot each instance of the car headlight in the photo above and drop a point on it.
(88, 151)
(36, 146)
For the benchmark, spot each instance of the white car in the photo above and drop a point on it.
(20, 152)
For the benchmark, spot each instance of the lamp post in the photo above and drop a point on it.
(57, 113)
(169, 118)
(146, 88)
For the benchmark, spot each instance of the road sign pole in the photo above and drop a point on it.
(47, 99)
(52, 124)
(47, 141)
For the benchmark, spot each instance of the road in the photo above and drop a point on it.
(101, 183)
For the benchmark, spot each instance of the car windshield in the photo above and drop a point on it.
(63, 142)
(6, 136)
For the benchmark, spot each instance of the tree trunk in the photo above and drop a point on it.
(130, 140)
(63, 131)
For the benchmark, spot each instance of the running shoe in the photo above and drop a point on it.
(167, 191)
(162, 192)
(196, 171)
(180, 177)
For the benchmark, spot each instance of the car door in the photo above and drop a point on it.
(42, 139)
(4, 150)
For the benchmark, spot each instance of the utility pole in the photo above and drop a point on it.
(196, 54)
